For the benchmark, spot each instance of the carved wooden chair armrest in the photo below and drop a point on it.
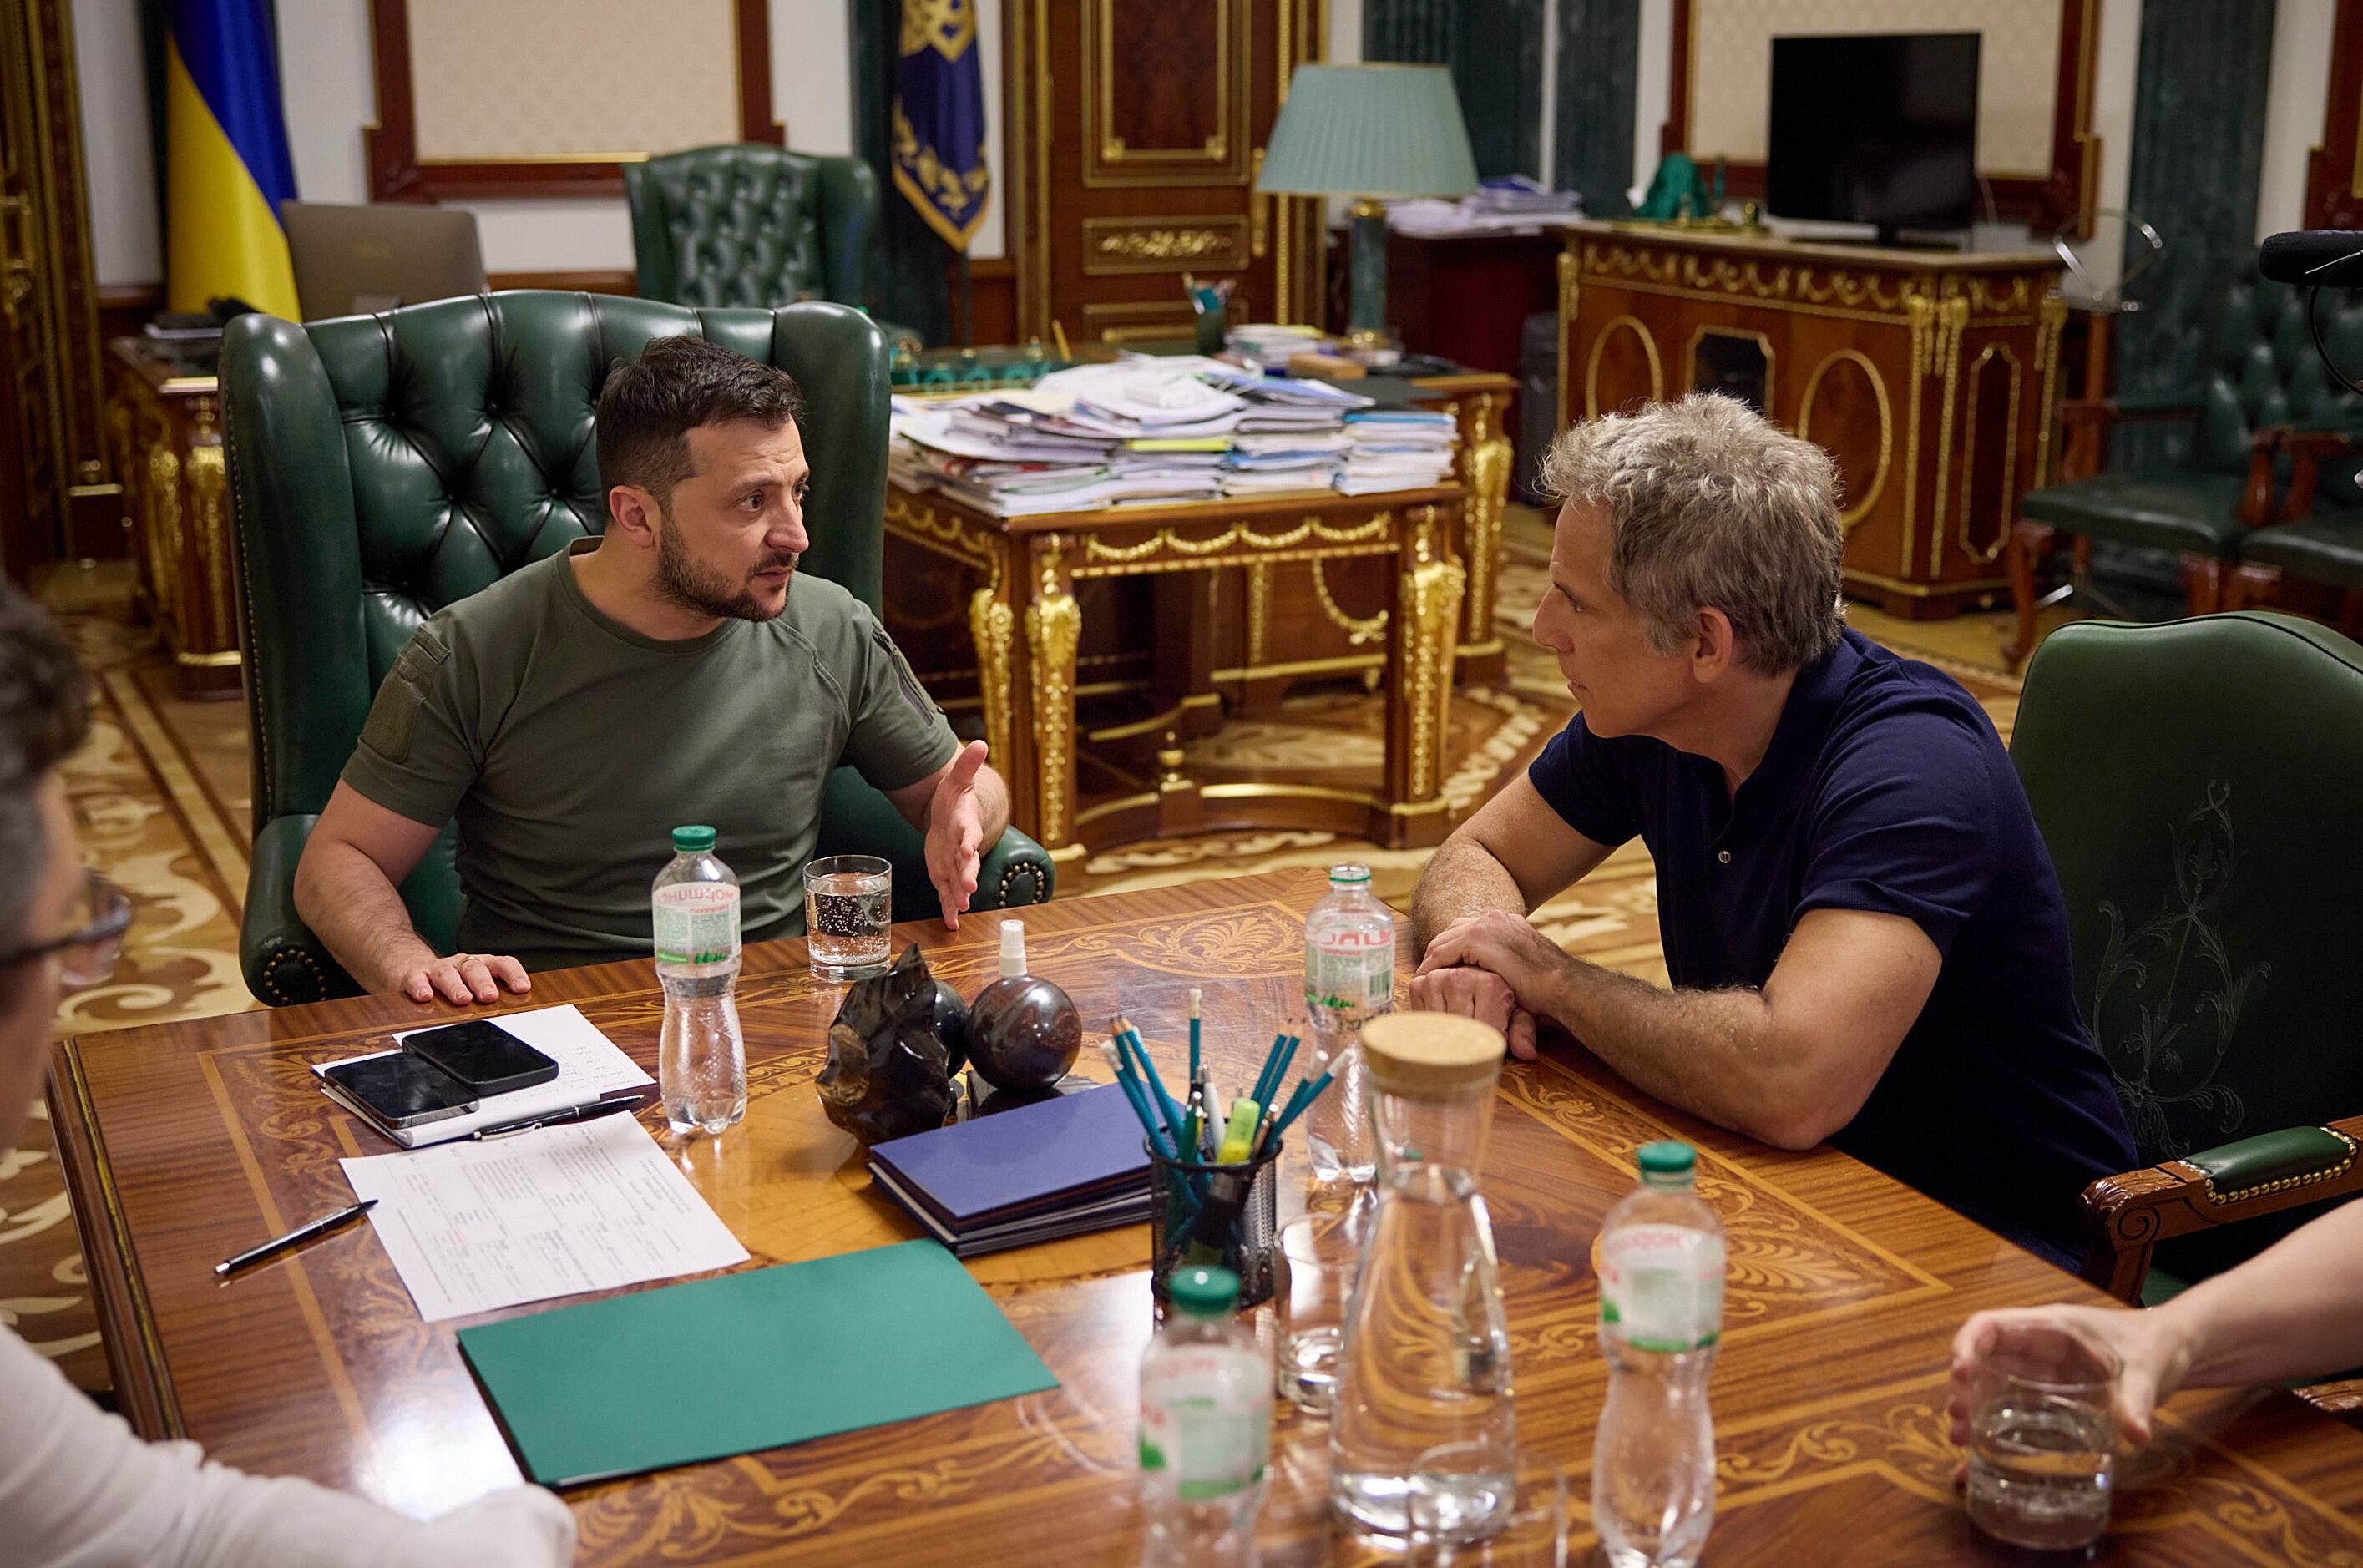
(2134, 408)
(2136, 1210)
(2308, 450)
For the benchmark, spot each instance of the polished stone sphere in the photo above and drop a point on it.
(1024, 1033)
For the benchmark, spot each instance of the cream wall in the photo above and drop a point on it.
(330, 94)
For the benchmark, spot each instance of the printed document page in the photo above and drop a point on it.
(557, 1211)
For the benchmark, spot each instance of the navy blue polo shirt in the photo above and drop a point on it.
(1885, 788)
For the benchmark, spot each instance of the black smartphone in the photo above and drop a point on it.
(483, 1056)
(400, 1089)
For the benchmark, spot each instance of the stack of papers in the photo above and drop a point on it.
(1509, 202)
(1397, 449)
(1146, 431)
(1058, 1167)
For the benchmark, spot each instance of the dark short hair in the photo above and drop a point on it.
(650, 405)
(44, 714)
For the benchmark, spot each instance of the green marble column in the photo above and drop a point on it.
(2199, 132)
(1599, 56)
(1495, 50)
(911, 259)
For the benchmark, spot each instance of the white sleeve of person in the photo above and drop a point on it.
(79, 1490)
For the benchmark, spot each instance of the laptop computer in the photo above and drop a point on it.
(353, 260)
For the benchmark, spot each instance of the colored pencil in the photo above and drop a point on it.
(1196, 997)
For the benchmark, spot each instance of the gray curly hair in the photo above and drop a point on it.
(1710, 504)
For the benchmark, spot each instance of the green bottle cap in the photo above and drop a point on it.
(1203, 1292)
(1667, 1160)
(1348, 874)
(692, 840)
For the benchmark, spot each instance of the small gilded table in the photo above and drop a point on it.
(164, 414)
(1013, 587)
(186, 1143)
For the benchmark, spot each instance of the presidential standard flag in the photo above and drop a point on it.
(939, 119)
(227, 154)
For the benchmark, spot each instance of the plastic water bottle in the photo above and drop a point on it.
(1349, 978)
(1660, 1263)
(701, 1063)
(1205, 1427)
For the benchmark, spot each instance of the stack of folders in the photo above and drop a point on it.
(1059, 1167)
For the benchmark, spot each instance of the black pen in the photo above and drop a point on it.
(595, 1109)
(294, 1238)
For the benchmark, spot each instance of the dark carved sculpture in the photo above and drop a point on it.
(893, 1048)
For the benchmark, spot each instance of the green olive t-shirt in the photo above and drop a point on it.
(568, 747)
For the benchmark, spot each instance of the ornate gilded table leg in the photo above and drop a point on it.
(1054, 630)
(993, 625)
(1429, 590)
(1486, 458)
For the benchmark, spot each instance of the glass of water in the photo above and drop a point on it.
(848, 905)
(2043, 1439)
(1321, 1253)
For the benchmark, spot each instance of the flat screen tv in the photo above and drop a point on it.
(1879, 130)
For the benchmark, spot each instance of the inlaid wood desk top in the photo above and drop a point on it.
(188, 1142)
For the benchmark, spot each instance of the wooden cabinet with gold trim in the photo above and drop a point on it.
(165, 419)
(1929, 376)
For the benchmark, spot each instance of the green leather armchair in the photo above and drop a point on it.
(748, 223)
(381, 467)
(2196, 783)
(2318, 532)
(2257, 347)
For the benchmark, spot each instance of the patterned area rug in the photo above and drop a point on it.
(162, 795)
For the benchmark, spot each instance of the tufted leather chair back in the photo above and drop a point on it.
(383, 466)
(749, 224)
(2262, 370)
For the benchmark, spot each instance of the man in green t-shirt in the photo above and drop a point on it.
(572, 712)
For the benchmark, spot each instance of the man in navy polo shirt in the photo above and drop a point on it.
(1864, 932)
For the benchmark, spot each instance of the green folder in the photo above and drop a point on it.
(747, 1361)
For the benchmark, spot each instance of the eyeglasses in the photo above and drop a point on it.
(86, 954)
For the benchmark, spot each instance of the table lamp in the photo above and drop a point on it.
(1367, 131)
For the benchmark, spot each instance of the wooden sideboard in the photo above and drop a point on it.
(165, 415)
(1929, 376)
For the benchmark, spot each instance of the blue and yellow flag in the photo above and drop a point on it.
(939, 119)
(227, 154)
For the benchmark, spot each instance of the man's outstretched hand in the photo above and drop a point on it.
(466, 979)
(956, 833)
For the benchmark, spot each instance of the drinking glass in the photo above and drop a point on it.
(2043, 1439)
(1320, 1253)
(848, 905)
(1532, 1534)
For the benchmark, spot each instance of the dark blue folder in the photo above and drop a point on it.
(1028, 1162)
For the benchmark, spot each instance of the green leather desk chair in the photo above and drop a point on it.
(2201, 510)
(2317, 535)
(748, 223)
(381, 467)
(2196, 782)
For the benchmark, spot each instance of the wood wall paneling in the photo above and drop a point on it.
(2333, 174)
(2064, 195)
(396, 171)
(1135, 131)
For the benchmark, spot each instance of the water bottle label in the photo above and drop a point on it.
(1351, 971)
(1205, 1422)
(696, 922)
(1661, 1286)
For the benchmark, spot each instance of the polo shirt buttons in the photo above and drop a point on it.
(1723, 857)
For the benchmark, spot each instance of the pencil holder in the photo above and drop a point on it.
(1205, 1213)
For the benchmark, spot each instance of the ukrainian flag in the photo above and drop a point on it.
(228, 166)
(938, 133)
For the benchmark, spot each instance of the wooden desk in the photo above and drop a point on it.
(1930, 376)
(188, 1141)
(1008, 590)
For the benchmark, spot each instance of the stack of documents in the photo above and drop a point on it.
(1508, 202)
(1397, 449)
(1146, 431)
(1059, 1167)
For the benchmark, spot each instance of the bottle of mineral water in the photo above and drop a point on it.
(1205, 1428)
(1660, 1263)
(1349, 978)
(702, 1061)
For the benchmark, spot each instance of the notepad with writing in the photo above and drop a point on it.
(1030, 1174)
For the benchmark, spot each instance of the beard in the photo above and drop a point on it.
(688, 583)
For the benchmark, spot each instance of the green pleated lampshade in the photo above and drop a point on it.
(1370, 130)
